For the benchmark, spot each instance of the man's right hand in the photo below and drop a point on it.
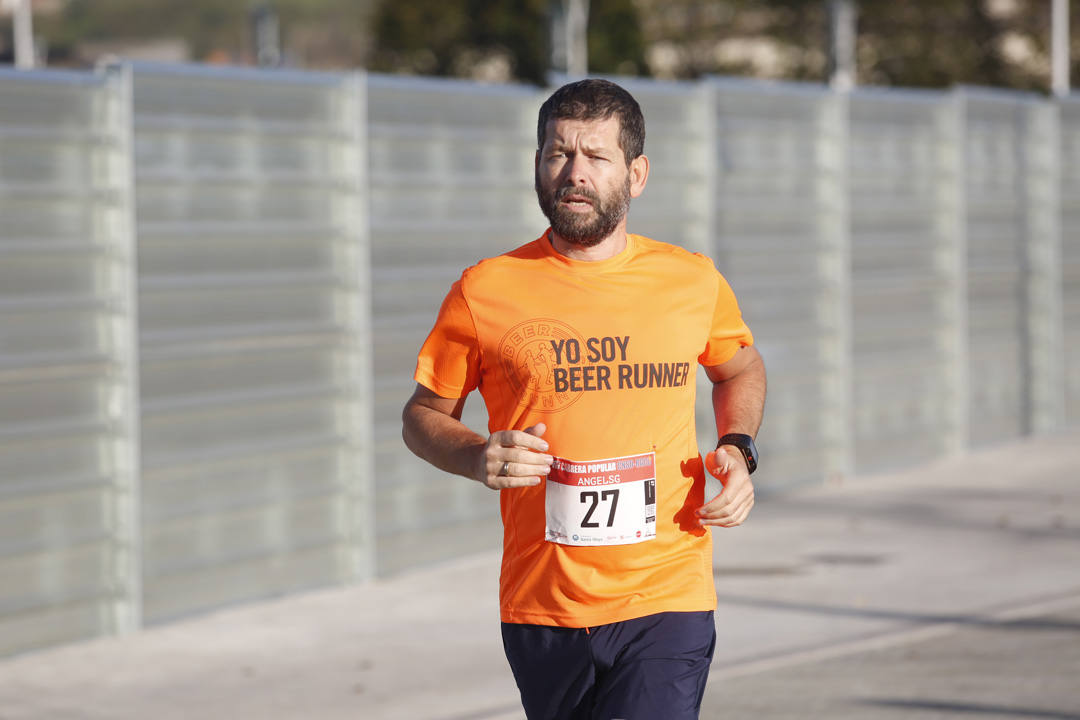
(522, 452)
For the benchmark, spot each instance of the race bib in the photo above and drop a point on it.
(601, 502)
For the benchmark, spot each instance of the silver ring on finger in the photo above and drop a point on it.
(505, 469)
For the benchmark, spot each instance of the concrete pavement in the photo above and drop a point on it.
(947, 590)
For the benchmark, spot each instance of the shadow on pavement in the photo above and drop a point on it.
(968, 708)
(496, 712)
(977, 620)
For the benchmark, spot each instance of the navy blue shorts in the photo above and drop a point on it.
(649, 668)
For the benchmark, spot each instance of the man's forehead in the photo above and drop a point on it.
(597, 130)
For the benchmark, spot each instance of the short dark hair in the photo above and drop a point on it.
(596, 99)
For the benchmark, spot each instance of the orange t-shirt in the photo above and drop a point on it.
(604, 353)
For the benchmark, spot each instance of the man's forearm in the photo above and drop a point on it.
(442, 440)
(739, 401)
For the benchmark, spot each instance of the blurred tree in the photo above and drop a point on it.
(763, 38)
(467, 38)
(320, 33)
(326, 33)
(204, 24)
(920, 43)
(937, 43)
(616, 41)
(498, 39)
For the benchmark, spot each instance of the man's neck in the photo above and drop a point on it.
(607, 248)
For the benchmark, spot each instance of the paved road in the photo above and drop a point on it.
(949, 590)
(1021, 664)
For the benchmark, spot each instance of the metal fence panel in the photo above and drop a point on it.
(997, 208)
(253, 327)
(1042, 300)
(68, 444)
(451, 183)
(1070, 253)
(909, 263)
(781, 229)
(906, 277)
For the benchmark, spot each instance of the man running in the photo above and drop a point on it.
(584, 344)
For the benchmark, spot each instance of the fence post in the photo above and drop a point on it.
(705, 112)
(951, 223)
(123, 402)
(359, 480)
(834, 231)
(1041, 152)
(1069, 191)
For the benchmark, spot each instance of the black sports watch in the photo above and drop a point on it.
(746, 446)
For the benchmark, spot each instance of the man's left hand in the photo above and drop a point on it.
(733, 504)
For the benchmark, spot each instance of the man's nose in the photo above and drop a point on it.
(576, 170)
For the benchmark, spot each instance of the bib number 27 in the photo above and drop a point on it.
(594, 498)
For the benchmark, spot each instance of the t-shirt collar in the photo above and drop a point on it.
(610, 263)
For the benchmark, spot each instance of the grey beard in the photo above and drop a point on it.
(573, 228)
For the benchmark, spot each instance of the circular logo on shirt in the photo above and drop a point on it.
(529, 352)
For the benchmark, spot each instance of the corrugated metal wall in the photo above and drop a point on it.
(231, 431)
(907, 311)
(253, 296)
(68, 444)
(994, 173)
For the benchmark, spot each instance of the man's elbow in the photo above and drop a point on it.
(408, 425)
(758, 363)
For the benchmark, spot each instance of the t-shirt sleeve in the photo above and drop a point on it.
(728, 332)
(449, 360)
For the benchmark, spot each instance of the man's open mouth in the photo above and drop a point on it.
(579, 201)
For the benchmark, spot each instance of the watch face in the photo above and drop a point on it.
(751, 458)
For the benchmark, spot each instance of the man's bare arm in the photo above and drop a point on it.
(432, 429)
(738, 393)
(738, 402)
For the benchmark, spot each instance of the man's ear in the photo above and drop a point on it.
(639, 175)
